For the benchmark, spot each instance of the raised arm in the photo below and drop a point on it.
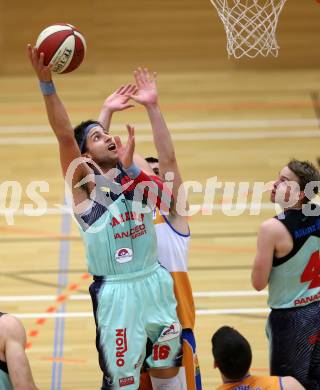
(60, 123)
(147, 95)
(117, 101)
(14, 339)
(157, 193)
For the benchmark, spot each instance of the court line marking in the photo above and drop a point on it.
(186, 137)
(187, 125)
(86, 297)
(90, 314)
(59, 299)
(59, 328)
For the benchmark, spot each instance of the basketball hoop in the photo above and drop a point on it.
(250, 26)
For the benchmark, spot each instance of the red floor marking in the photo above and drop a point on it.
(72, 287)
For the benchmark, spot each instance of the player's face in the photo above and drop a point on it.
(286, 187)
(155, 168)
(101, 147)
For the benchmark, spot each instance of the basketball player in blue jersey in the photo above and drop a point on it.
(172, 229)
(132, 295)
(287, 260)
(15, 372)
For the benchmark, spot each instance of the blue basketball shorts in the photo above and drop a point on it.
(294, 338)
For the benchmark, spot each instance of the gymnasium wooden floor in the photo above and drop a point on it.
(240, 128)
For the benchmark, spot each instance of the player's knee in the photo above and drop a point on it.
(173, 383)
(164, 373)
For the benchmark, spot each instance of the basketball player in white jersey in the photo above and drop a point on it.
(172, 230)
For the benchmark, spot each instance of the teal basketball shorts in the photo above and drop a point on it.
(128, 310)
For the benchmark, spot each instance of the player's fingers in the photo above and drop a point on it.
(130, 135)
(131, 139)
(123, 90)
(29, 52)
(132, 143)
(137, 78)
(118, 91)
(142, 76)
(146, 75)
(154, 76)
(35, 53)
(130, 130)
(126, 89)
(29, 49)
(132, 96)
(117, 141)
(32, 54)
(132, 90)
(41, 59)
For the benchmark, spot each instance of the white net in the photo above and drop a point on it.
(250, 26)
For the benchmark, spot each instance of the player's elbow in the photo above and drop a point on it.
(258, 286)
(65, 138)
(26, 386)
(257, 282)
(172, 158)
(168, 161)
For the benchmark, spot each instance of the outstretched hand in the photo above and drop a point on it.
(37, 61)
(147, 93)
(118, 100)
(125, 153)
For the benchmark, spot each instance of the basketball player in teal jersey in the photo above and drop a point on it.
(132, 295)
(287, 260)
(15, 372)
(172, 230)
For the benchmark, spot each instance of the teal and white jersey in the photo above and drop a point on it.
(295, 278)
(118, 239)
(5, 383)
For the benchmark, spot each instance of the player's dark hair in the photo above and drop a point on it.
(79, 131)
(306, 173)
(151, 160)
(231, 352)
